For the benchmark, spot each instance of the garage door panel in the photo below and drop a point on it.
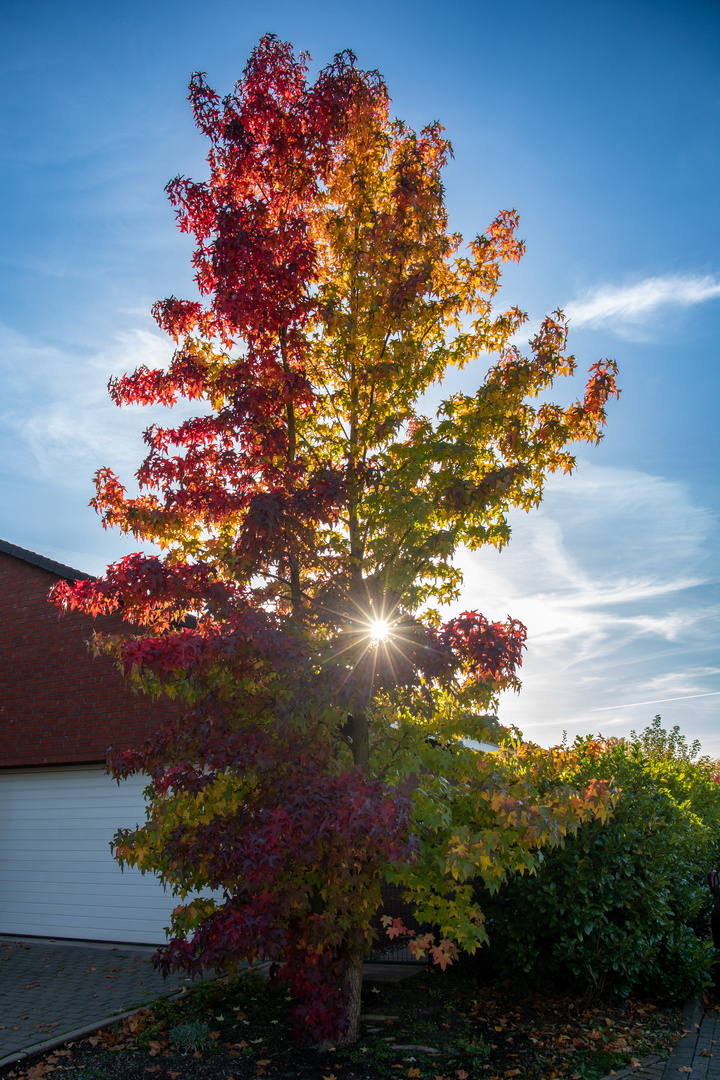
(57, 875)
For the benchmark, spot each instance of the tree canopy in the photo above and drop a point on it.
(309, 518)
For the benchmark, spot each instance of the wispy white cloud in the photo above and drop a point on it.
(632, 310)
(635, 303)
(58, 422)
(615, 580)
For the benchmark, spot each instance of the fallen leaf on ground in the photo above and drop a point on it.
(635, 1062)
(265, 1061)
(413, 1072)
(332, 1076)
(684, 1068)
(705, 1053)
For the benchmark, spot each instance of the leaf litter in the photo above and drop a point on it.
(433, 1026)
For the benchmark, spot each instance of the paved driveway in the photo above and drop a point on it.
(48, 988)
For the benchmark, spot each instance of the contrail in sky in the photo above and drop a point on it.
(657, 701)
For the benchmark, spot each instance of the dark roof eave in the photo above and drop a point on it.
(59, 569)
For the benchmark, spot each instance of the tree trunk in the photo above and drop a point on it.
(360, 734)
(353, 982)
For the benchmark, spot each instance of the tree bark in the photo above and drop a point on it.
(295, 589)
(353, 983)
(360, 734)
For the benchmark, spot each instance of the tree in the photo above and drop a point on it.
(309, 517)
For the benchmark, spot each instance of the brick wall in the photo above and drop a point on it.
(57, 703)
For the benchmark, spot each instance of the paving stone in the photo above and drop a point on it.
(51, 987)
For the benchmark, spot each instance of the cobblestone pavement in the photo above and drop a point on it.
(696, 1056)
(49, 987)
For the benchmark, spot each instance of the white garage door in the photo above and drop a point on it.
(57, 876)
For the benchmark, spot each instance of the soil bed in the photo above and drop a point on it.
(242, 1029)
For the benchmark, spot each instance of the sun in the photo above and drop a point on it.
(380, 631)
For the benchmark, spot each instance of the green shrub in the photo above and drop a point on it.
(616, 908)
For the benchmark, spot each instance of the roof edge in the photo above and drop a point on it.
(59, 569)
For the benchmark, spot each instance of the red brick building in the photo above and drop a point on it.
(59, 704)
(60, 710)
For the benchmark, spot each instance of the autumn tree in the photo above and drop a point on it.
(309, 518)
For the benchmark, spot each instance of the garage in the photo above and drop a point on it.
(60, 710)
(57, 875)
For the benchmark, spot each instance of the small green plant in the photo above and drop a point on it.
(190, 1037)
(206, 995)
(165, 1011)
(593, 1066)
(474, 1048)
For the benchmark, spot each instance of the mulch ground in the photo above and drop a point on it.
(241, 1029)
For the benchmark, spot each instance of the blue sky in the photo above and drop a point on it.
(598, 122)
